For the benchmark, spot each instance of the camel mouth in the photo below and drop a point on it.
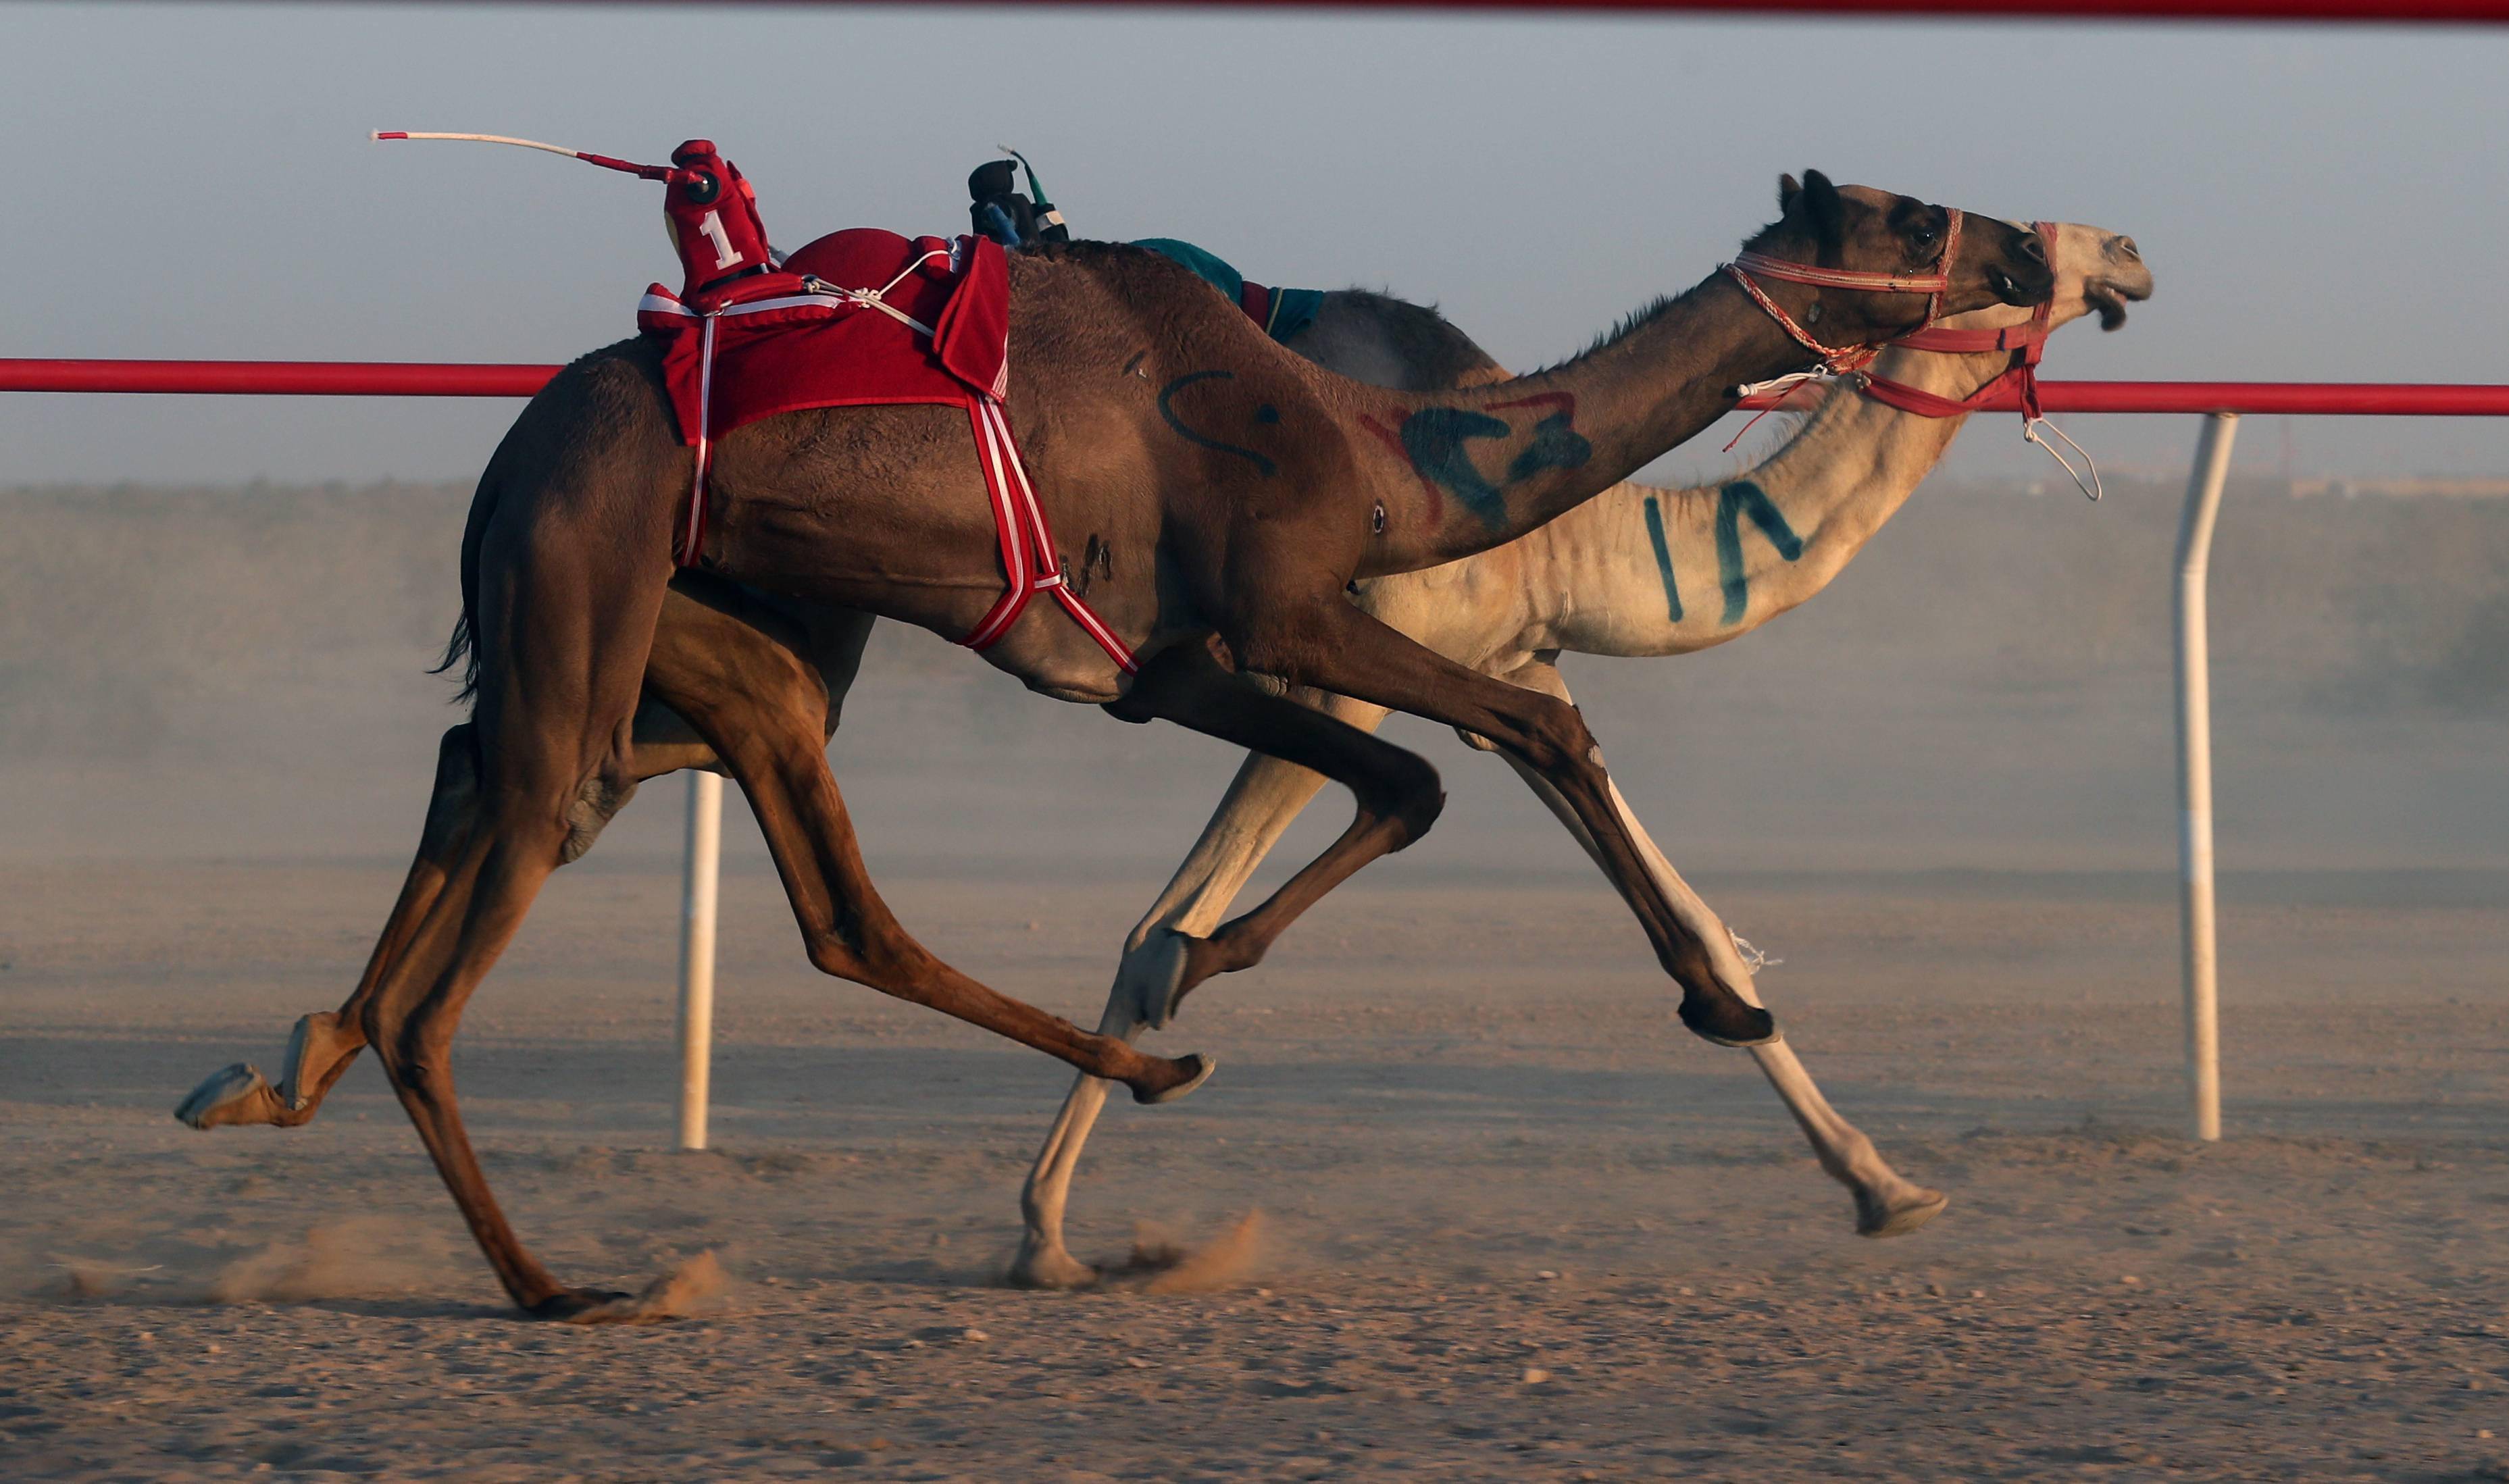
(2109, 299)
(2006, 287)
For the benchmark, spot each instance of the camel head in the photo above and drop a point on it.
(2097, 272)
(1861, 230)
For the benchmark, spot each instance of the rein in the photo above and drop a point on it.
(2027, 342)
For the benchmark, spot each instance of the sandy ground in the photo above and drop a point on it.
(1508, 1221)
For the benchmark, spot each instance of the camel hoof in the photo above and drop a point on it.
(1202, 1067)
(1900, 1216)
(314, 1049)
(234, 1095)
(1153, 976)
(1049, 1268)
(581, 1306)
(1728, 1020)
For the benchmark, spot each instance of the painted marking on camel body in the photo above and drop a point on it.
(1662, 558)
(1734, 501)
(1265, 414)
(1435, 442)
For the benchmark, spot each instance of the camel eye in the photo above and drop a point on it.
(1925, 236)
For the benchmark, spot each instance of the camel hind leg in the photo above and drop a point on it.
(1264, 798)
(1398, 798)
(328, 1041)
(763, 709)
(325, 1043)
(565, 587)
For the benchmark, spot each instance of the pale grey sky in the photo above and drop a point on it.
(197, 180)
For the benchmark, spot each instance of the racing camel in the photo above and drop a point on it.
(1224, 530)
(1637, 570)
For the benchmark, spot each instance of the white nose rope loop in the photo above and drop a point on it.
(2030, 434)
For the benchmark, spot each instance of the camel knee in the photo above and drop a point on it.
(1408, 792)
(596, 804)
(833, 954)
(1280, 647)
(881, 956)
(1556, 738)
(415, 1050)
(534, 821)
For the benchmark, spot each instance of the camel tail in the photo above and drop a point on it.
(462, 647)
(458, 649)
(606, 404)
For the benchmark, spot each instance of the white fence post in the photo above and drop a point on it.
(697, 891)
(2195, 775)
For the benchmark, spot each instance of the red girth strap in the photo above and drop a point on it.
(1841, 358)
(1029, 561)
(2028, 342)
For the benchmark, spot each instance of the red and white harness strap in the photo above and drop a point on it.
(1028, 559)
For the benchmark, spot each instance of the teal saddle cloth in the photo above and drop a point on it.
(1282, 311)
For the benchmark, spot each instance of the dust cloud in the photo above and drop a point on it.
(241, 672)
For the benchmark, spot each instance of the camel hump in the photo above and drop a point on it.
(1282, 311)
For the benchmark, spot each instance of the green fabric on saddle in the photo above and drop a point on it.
(1282, 311)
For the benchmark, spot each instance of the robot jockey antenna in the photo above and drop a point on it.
(710, 210)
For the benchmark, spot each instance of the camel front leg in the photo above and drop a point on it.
(1332, 645)
(1887, 1203)
(1262, 801)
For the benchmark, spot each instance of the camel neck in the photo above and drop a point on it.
(1478, 467)
(1641, 570)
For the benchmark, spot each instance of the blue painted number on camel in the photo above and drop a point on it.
(1734, 501)
(1435, 440)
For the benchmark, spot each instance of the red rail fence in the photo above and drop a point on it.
(2220, 403)
(391, 378)
(2370, 12)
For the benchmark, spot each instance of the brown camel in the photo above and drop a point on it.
(1235, 493)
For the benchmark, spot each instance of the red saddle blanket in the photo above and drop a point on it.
(861, 317)
(866, 318)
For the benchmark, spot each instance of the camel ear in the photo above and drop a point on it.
(1824, 208)
(1787, 194)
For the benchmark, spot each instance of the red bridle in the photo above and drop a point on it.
(2027, 342)
(1840, 359)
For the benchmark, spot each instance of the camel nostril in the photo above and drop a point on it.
(2124, 248)
(2034, 248)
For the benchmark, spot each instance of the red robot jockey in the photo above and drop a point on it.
(710, 210)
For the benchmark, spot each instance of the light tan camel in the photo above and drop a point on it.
(1232, 523)
(1638, 570)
